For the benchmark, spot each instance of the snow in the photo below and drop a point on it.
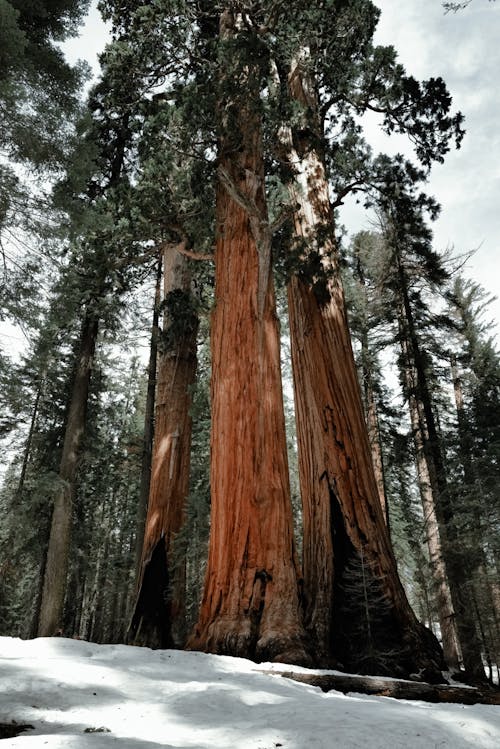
(79, 695)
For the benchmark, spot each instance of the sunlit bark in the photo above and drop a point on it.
(343, 518)
(251, 603)
(157, 620)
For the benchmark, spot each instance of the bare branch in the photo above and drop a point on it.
(193, 255)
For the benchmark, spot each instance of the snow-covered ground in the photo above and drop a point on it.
(79, 695)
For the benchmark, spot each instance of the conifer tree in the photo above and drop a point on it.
(474, 369)
(159, 613)
(330, 421)
(411, 258)
(250, 605)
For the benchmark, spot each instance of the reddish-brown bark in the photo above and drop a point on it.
(251, 603)
(158, 616)
(343, 519)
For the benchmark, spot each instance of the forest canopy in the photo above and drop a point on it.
(234, 427)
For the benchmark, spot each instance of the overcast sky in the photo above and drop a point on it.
(463, 48)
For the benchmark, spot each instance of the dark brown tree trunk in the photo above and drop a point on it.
(29, 440)
(158, 615)
(56, 568)
(343, 520)
(470, 476)
(457, 574)
(251, 601)
(374, 431)
(147, 450)
(400, 690)
(442, 593)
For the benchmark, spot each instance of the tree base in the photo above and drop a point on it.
(270, 646)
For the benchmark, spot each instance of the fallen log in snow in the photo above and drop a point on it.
(399, 689)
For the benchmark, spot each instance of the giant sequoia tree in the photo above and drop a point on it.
(343, 522)
(251, 604)
(244, 95)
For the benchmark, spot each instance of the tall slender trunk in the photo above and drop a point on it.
(56, 568)
(471, 480)
(343, 518)
(251, 603)
(29, 440)
(158, 615)
(368, 385)
(443, 600)
(147, 450)
(372, 424)
(457, 573)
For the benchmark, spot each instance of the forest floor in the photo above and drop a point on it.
(78, 695)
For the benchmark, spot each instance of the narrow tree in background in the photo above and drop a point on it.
(56, 566)
(147, 452)
(158, 616)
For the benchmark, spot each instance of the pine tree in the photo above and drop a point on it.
(474, 369)
(411, 258)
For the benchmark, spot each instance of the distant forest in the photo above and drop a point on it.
(233, 428)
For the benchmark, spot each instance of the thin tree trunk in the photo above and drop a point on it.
(96, 623)
(56, 569)
(470, 476)
(433, 537)
(371, 414)
(457, 573)
(147, 450)
(158, 616)
(374, 434)
(29, 440)
(343, 518)
(251, 603)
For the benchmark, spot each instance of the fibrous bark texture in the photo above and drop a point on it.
(56, 567)
(158, 616)
(251, 603)
(346, 545)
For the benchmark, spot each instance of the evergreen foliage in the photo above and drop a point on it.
(137, 170)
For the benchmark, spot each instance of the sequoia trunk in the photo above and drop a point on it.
(250, 605)
(344, 528)
(158, 616)
(56, 566)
